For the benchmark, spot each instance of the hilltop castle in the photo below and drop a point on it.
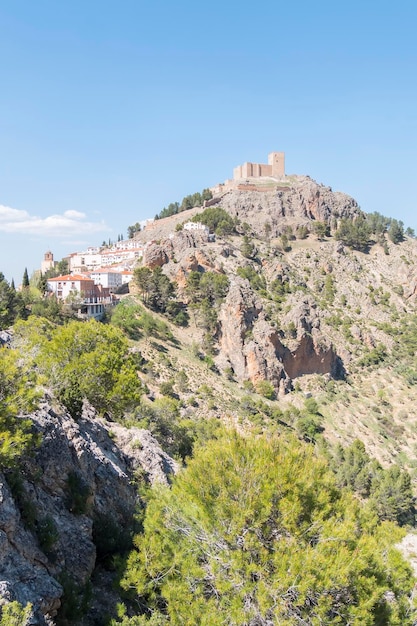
(275, 167)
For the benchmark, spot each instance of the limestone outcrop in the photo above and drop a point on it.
(298, 200)
(81, 482)
(255, 349)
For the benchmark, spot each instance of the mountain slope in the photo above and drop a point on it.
(310, 315)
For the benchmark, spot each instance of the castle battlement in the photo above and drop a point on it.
(275, 168)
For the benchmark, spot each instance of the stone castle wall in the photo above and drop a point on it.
(275, 168)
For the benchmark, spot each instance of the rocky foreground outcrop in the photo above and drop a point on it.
(79, 490)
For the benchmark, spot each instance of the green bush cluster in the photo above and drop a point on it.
(18, 395)
(389, 490)
(256, 279)
(188, 202)
(218, 220)
(255, 530)
(14, 614)
(92, 361)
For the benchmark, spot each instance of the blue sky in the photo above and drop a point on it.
(111, 110)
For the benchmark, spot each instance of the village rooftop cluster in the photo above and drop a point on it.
(97, 275)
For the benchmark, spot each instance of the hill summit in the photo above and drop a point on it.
(317, 290)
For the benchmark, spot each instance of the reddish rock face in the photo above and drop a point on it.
(254, 348)
(155, 255)
(310, 358)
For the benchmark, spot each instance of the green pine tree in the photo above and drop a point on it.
(25, 279)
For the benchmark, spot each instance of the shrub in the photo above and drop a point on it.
(89, 360)
(75, 599)
(47, 533)
(265, 389)
(167, 388)
(374, 356)
(14, 614)
(78, 493)
(110, 537)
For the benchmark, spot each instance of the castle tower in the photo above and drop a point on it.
(275, 168)
(277, 162)
(48, 262)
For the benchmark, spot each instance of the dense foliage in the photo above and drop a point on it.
(155, 287)
(255, 531)
(217, 219)
(389, 490)
(354, 233)
(17, 396)
(12, 305)
(188, 202)
(91, 361)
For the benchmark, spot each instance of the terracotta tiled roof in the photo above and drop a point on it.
(102, 270)
(70, 277)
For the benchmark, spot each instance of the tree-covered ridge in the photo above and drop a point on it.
(255, 530)
(357, 233)
(188, 202)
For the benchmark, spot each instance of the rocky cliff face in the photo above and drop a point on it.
(254, 348)
(77, 492)
(299, 200)
(247, 341)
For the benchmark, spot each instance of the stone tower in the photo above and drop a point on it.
(277, 162)
(275, 168)
(48, 262)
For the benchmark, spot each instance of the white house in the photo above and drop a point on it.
(120, 257)
(84, 261)
(90, 300)
(71, 284)
(196, 226)
(107, 278)
(130, 244)
(127, 276)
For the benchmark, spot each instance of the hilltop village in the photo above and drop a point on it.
(99, 274)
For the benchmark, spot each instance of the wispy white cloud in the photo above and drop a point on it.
(68, 224)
